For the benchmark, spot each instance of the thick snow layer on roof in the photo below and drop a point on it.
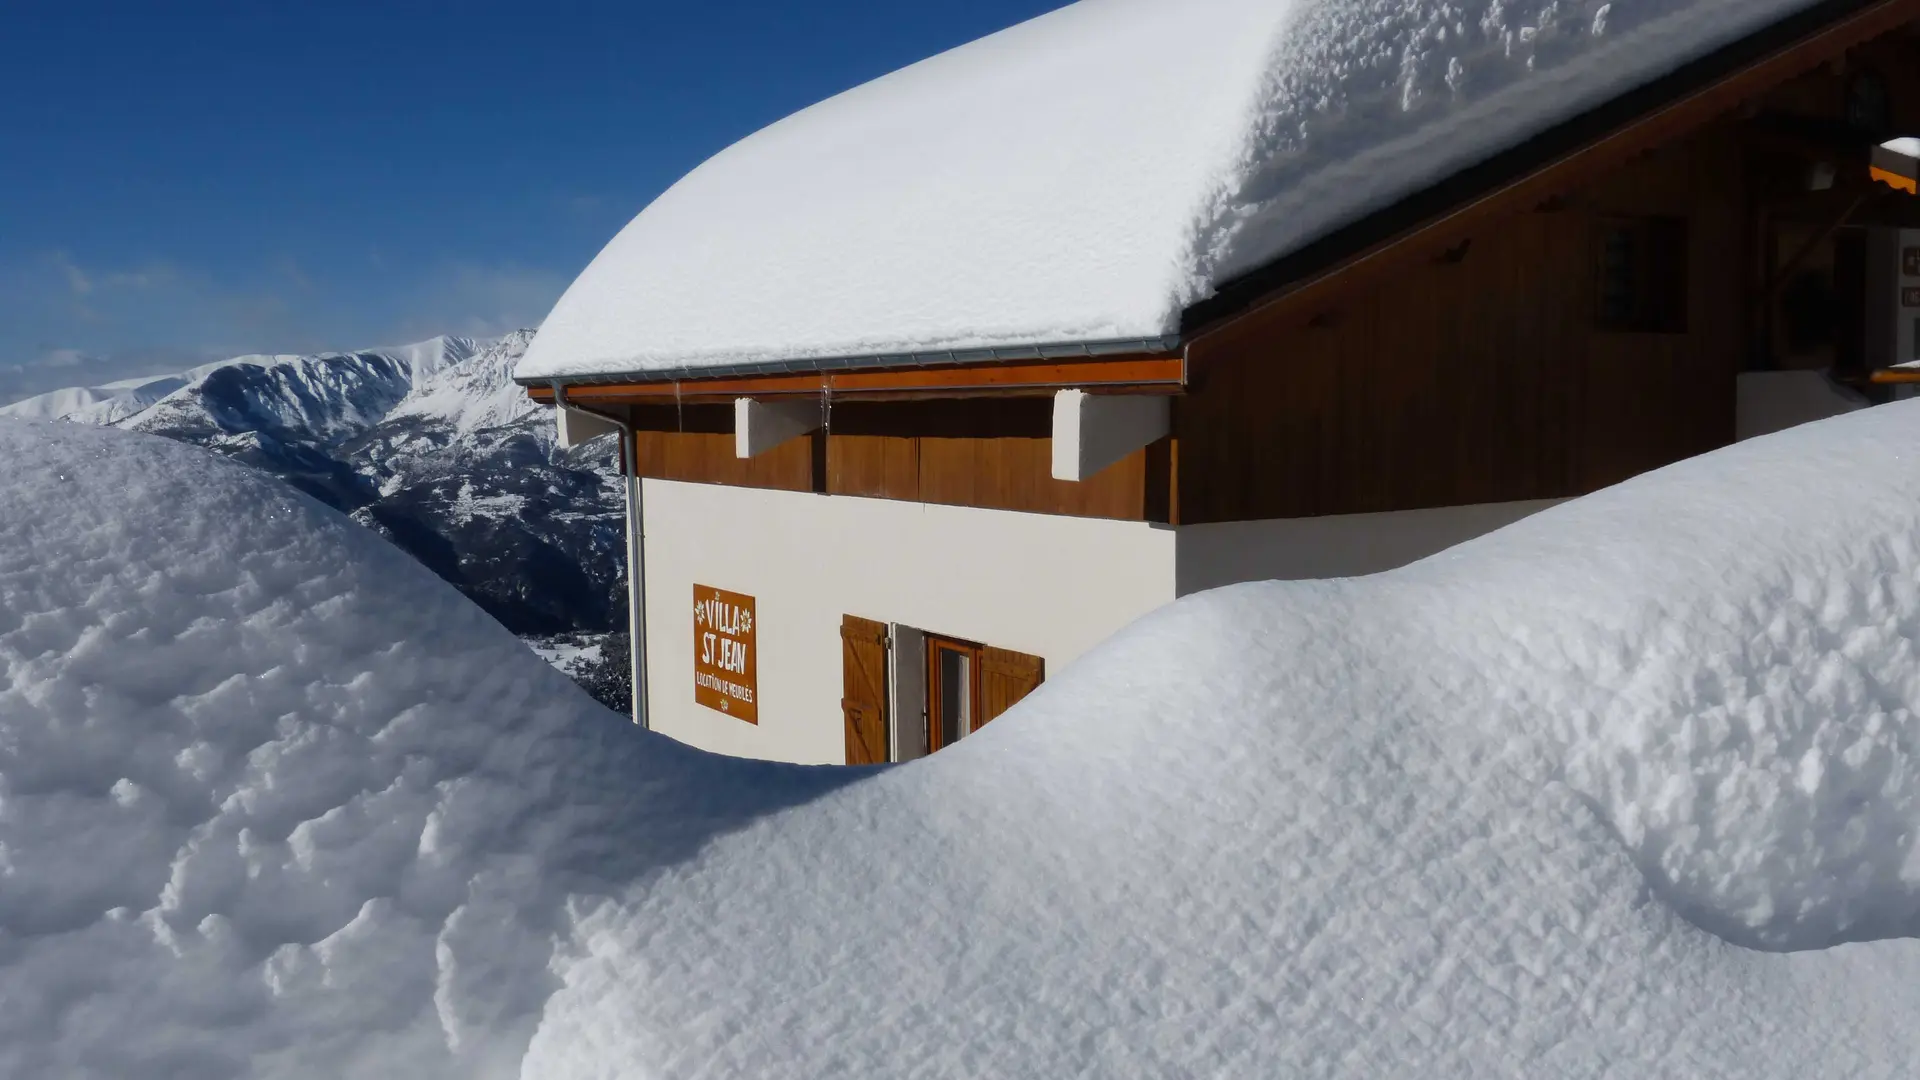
(1087, 175)
(276, 802)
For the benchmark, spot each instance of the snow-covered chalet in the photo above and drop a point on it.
(926, 389)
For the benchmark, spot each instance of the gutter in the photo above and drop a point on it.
(636, 555)
(1077, 350)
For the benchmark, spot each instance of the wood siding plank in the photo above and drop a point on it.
(703, 458)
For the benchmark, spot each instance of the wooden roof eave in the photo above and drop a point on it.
(1298, 287)
(1162, 373)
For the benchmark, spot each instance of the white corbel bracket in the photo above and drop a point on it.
(576, 426)
(1093, 431)
(759, 426)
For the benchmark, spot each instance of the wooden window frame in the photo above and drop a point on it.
(975, 654)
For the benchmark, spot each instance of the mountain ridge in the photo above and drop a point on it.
(433, 446)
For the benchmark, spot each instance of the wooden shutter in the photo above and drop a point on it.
(1005, 678)
(863, 701)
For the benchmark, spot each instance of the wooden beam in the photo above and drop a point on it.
(1136, 374)
(1302, 298)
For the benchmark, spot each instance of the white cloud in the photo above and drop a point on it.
(57, 369)
(151, 276)
(480, 300)
(77, 280)
(64, 322)
(65, 358)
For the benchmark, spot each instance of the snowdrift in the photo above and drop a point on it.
(1627, 789)
(276, 801)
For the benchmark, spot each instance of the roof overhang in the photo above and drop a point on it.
(941, 358)
(1897, 164)
(1161, 371)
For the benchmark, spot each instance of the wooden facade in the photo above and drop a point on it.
(1483, 375)
(1502, 348)
(984, 452)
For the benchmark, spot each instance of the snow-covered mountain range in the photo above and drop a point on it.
(430, 444)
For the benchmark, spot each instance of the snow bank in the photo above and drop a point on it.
(1442, 822)
(275, 802)
(1087, 175)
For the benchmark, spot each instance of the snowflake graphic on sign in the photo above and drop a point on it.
(725, 660)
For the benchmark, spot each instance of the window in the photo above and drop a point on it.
(1642, 275)
(906, 693)
(953, 690)
(970, 684)
(1869, 105)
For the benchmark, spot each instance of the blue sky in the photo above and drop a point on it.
(187, 181)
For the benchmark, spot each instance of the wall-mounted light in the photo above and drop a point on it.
(1897, 164)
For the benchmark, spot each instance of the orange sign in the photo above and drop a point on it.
(724, 654)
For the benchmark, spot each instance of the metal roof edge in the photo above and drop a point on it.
(1067, 350)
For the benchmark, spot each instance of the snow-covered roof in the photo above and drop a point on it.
(278, 802)
(1089, 174)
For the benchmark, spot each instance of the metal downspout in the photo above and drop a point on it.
(636, 576)
(636, 556)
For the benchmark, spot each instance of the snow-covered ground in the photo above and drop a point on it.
(275, 800)
(1088, 174)
(1627, 789)
(569, 652)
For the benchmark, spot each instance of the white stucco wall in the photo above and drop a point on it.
(1040, 584)
(1047, 585)
(1347, 545)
